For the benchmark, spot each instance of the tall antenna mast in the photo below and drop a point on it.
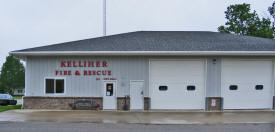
(104, 17)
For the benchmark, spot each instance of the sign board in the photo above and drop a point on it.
(97, 69)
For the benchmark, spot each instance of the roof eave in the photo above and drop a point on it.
(143, 53)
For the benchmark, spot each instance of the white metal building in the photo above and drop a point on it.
(154, 70)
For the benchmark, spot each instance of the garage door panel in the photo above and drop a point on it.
(163, 70)
(246, 75)
(253, 70)
(177, 75)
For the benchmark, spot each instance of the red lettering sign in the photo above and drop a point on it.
(65, 72)
(90, 68)
(104, 64)
(62, 64)
(74, 64)
(83, 63)
(85, 73)
(69, 64)
(98, 72)
(77, 73)
(90, 64)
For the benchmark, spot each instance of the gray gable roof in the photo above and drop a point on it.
(162, 41)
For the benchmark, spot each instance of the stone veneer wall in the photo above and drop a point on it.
(121, 102)
(68, 103)
(147, 103)
(214, 103)
(60, 103)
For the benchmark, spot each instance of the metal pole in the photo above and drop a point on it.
(104, 17)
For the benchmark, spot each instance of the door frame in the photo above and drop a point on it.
(142, 91)
(103, 92)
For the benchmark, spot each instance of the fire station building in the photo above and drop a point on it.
(152, 70)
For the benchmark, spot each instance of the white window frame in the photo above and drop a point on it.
(55, 78)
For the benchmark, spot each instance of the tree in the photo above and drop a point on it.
(1, 87)
(12, 75)
(272, 13)
(271, 10)
(241, 21)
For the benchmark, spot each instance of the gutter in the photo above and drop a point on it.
(143, 53)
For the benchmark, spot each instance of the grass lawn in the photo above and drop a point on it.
(9, 107)
(17, 97)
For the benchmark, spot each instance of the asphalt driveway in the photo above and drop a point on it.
(76, 116)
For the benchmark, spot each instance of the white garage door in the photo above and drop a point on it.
(247, 84)
(177, 84)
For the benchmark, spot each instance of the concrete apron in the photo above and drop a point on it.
(148, 117)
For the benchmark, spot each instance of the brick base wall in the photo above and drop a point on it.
(147, 103)
(61, 103)
(214, 103)
(69, 103)
(121, 103)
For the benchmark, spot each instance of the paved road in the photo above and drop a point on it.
(90, 127)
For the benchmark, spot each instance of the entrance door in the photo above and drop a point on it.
(109, 95)
(136, 94)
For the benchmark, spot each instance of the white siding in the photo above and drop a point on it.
(123, 69)
(213, 79)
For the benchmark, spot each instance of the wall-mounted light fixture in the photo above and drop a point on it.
(214, 61)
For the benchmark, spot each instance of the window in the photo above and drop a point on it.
(54, 86)
(49, 85)
(20, 91)
(109, 89)
(59, 86)
(259, 87)
(191, 88)
(233, 87)
(163, 88)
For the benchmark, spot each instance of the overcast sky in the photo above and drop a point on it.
(32, 23)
